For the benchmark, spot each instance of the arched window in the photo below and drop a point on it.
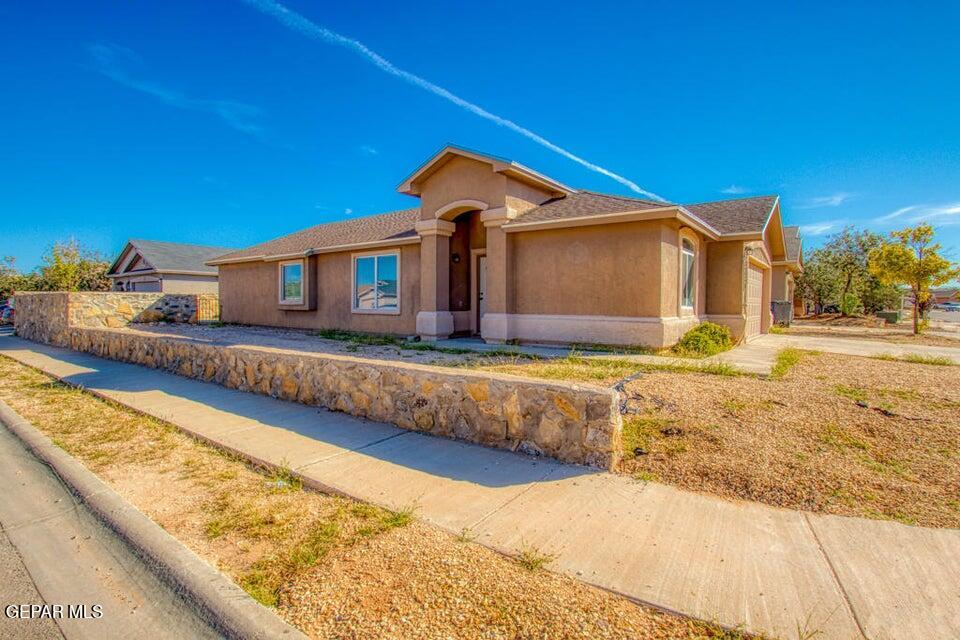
(688, 274)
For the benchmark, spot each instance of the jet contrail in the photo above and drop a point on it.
(297, 22)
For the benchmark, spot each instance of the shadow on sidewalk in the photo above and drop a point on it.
(433, 455)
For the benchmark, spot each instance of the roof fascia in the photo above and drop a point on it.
(373, 244)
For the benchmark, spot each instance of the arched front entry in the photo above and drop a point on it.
(451, 251)
(468, 246)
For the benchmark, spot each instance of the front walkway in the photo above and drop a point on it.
(774, 571)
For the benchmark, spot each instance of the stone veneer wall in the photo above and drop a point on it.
(573, 423)
(108, 309)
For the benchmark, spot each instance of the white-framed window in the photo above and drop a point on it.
(376, 282)
(291, 282)
(688, 274)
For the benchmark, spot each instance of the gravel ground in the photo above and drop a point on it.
(334, 567)
(838, 434)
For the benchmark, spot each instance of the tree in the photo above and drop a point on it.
(818, 283)
(12, 280)
(848, 254)
(70, 267)
(912, 258)
(876, 295)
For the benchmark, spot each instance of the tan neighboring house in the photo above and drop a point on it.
(498, 250)
(167, 267)
(785, 271)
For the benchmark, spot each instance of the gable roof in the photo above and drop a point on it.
(410, 184)
(740, 215)
(395, 225)
(792, 237)
(172, 257)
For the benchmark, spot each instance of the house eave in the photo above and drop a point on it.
(373, 244)
(659, 213)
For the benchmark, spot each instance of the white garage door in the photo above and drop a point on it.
(754, 300)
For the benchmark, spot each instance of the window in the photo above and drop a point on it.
(688, 274)
(375, 283)
(291, 282)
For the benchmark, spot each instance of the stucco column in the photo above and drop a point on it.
(434, 320)
(495, 325)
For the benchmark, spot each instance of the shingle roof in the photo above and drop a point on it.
(792, 237)
(384, 226)
(584, 204)
(742, 215)
(174, 256)
(727, 216)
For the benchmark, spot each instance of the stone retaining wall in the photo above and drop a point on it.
(39, 313)
(573, 423)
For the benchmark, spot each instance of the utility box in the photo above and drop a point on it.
(782, 312)
(892, 317)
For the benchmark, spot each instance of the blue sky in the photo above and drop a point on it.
(218, 123)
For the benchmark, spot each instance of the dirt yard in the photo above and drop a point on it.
(836, 434)
(333, 567)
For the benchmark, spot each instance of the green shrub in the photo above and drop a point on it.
(851, 305)
(705, 339)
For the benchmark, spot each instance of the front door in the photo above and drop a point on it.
(481, 290)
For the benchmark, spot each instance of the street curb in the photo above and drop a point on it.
(221, 602)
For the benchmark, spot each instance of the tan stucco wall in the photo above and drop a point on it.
(248, 295)
(179, 283)
(780, 285)
(461, 179)
(626, 269)
(725, 273)
(522, 197)
(466, 179)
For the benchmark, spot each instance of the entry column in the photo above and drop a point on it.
(434, 320)
(495, 326)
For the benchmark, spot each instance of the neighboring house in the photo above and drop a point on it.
(942, 295)
(168, 267)
(786, 270)
(498, 250)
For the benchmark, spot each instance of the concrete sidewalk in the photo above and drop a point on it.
(774, 571)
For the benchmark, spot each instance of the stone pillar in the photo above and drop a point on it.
(434, 320)
(495, 325)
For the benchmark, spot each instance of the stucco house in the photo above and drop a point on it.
(498, 250)
(167, 267)
(786, 270)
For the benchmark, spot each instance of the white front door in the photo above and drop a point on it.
(481, 290)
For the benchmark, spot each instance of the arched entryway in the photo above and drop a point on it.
(466, 275)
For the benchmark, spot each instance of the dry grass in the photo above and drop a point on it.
(333, 567)
(836, 434)
(601, 370)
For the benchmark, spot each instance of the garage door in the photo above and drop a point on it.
(754, 300)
